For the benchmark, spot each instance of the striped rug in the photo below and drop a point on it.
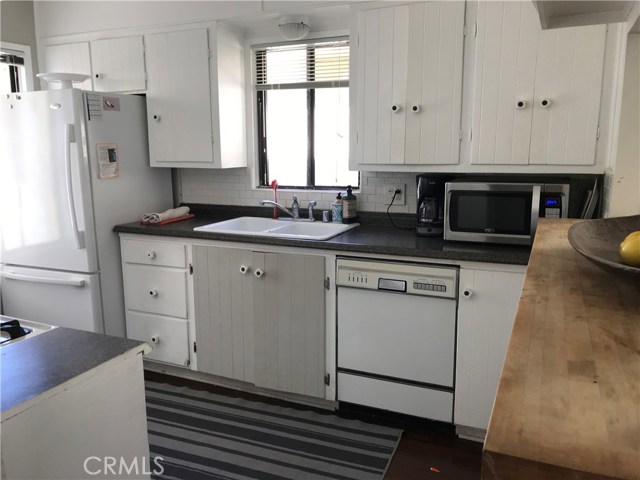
(201, 435)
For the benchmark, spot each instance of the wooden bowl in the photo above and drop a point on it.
(599, 241)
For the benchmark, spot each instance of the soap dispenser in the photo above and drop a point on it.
(295, 207)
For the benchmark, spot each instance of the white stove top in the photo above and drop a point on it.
(16, 329)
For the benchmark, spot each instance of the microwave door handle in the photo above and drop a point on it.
(68, 140)
(535, 209)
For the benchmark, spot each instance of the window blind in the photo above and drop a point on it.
(318, 64)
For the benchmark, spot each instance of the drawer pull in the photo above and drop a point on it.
(153, 292)
(244, 269)
(467, 293)
(259, 273)
(151, 254)
(155, 339)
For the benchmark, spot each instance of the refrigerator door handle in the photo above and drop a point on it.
(69, 138)
(68, 282)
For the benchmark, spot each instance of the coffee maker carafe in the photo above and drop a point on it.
(430, 206)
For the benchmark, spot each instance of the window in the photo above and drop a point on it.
(15, 68)
(302, 99)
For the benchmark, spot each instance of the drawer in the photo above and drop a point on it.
(163, 254)
(169, 337)
(396, 397)
(156, 290)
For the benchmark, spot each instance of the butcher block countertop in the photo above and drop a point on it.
(568, 402)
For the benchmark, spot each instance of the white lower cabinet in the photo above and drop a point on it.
(260, 318)
(486, 311)
(156, 295)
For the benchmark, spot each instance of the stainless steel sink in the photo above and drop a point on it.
(267, 227)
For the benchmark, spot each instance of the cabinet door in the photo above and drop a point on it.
(505, 62)
(179, 99)
(224, 312)
(485, 318)
(69, 58)
(289, 321)
(434, 83)
(569, 78)
(118, 64)
(408, 83)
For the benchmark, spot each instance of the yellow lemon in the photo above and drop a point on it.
(632, 235)
(630, 250)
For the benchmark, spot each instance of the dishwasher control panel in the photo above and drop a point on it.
(410, 278)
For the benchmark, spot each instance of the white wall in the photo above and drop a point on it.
(625, 179)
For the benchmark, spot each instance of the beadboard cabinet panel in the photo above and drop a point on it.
(406, 84)
(224, 312)
(179, 99)
(118, 64)
(536, 98)
(569, 76)
(69, 58)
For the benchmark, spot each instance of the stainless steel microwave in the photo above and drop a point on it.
(501, 212)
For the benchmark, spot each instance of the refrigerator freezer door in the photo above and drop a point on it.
(45, 296)
(45, 193)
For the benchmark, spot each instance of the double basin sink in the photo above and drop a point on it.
(267, 227)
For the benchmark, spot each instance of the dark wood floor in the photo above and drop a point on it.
(426, 450)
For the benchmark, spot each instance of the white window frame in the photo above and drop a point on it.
(25, 52)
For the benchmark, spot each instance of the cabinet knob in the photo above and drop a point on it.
(259, 273)
(99, 75)
(395, 108)
(151, 255)
(244, 269)
(153, 292)
(545, 103)
(415, 108)
(521, 104)
(155, 339)
(467, 293)
(156, 118)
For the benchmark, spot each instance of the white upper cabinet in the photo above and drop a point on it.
(118, 64)
(179, 99)
(195, 99)
(406, 85)
(536, 95)
(69, 58)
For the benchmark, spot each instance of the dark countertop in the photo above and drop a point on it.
(368, 238)
(36, 365)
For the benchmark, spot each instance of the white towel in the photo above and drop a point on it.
(167, 214)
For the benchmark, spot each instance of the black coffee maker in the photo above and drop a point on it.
(430, 206)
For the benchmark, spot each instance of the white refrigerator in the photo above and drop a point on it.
(72, 165)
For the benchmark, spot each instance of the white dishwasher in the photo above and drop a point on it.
(397, 336)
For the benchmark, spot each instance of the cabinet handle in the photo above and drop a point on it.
(156, 118)
(467, 293)
(545, 103)
(521, 105)
(415, 108)
(153, 292)
(151, 255)
(395, 108)
(259, 273)
(244, 269)
(155, 339)
(98, 75)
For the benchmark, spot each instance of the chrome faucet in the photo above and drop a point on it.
(312, 204)
(289, 212)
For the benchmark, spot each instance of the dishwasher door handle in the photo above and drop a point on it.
(391, 285)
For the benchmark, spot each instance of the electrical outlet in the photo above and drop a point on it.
(389, 191)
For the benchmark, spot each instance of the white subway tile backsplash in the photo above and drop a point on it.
(233, 187)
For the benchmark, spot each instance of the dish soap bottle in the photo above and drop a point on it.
(295, 207)
(349, 207)
(336, 210)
